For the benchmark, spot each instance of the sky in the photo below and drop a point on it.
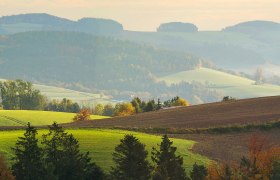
(147, 15)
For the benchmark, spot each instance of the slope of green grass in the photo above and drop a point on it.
(101, 143)
(83, 98)
(76, 96)
(230, 85)
(36, 118)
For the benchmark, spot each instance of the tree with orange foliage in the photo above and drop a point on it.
(5, 172)
(83, 115)
(124, 109)
(223, 172)
(259, 162)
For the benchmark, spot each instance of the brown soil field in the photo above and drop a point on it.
(228, 147)
(239, 112)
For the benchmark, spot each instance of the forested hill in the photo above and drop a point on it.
(46, 22)
(87, 60)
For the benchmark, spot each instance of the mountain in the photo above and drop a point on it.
(46, 22)
(78, 60)
(177, 27)
(254, 27)
(241, 47)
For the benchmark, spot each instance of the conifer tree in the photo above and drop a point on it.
(199, 172)
(28, 164)
(131, 161)
(63, 154)
(168, 165)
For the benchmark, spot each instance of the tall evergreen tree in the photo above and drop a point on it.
(63, 154)
(131, 161)
(168, 165)
(199, 172)
(28, 164)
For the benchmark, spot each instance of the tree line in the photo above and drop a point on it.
(137, 106)
(20, 95)
(59, 157)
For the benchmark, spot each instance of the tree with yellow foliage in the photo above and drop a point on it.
(124, 109)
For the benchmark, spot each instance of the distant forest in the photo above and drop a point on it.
(83, 61)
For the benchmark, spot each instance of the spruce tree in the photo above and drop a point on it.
(199, 172)
(63, 155)
(131, 161)
(168, 165)
(28, 164)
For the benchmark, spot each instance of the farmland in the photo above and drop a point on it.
(36, 118)
(229, 85)
(239, 112)
(101, 143)
(83, 98)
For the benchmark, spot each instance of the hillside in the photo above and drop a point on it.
(226, 49)
(83, 98)
(237, 47)
(252, 27)
(246, 111)
(36, 118)
(45, 22)
(101, 144)
(230, 85)
(94, 63)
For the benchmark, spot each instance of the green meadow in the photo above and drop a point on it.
(101, 143)
(37, 118)
(228, 84)
(83, 98)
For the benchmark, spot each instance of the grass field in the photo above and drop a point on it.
(36, 118)
(230, 85)
(83, 98)
(101, 143)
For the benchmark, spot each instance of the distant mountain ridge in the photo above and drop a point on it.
(177, 27)
(254, 26)
(45, 22)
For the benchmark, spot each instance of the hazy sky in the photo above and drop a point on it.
(146, 15)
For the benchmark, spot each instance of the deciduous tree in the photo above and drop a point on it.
(5, 172)
(124, 109)
(83, 115)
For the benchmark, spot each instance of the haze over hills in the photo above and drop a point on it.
(97, 55)
(83, 98)
(46, 22)
(228, 84)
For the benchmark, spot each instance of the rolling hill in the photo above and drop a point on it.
(101, 144)
(45, 22)
(239, 112)
(37, 118)
(83, 98)
(230, 85)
